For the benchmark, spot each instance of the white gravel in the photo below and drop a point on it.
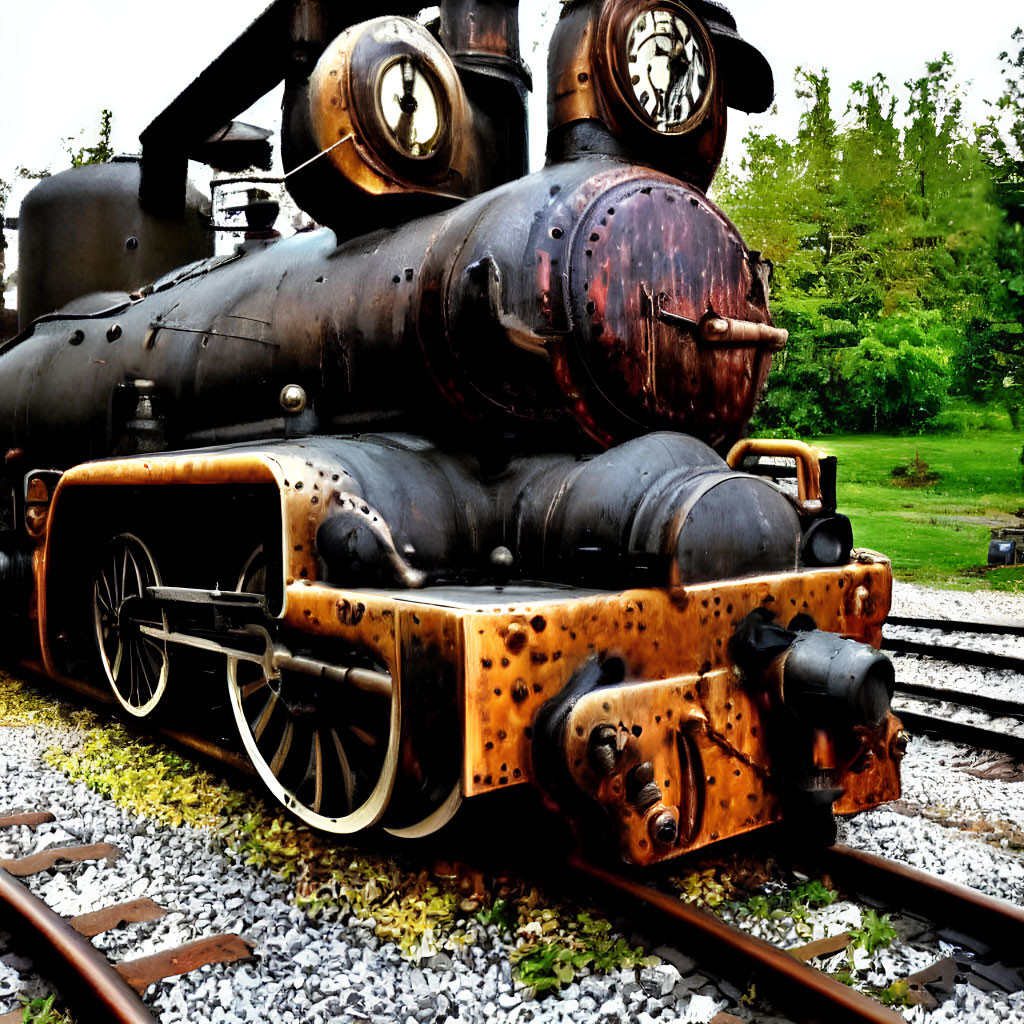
(964, 820)
(975, 606)
(305, 970)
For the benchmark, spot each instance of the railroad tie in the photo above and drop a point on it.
(36, 862)
(131, 912)
(30, 818)
(216, 949)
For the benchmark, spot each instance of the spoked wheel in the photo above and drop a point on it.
(327, 748)
(136, 665)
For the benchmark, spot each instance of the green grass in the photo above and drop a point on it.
(936, 534)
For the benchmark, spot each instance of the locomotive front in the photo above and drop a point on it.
(440, 487)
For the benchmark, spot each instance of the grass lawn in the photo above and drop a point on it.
(936, 534)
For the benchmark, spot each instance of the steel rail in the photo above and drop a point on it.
(957, 655)
(83, 968)
(801, 990)
(975, 701)
(961, 732)
(934, 897)
(955, 626)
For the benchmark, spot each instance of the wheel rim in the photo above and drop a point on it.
(436, 819)
(326, 750)
(136, 665)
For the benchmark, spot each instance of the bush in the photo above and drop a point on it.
(885, 373)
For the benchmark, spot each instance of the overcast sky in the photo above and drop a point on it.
(62, 61)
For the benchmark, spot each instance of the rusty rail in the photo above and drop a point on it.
(934, 897)
(955, 625)
(956, 655)
(83, 968)
(801, 990)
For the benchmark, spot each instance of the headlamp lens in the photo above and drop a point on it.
(668, 68)
(410, 108)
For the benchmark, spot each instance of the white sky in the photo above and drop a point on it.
(62, 61)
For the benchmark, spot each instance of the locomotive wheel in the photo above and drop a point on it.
(436, 819)
(327, 750)
(136, 665)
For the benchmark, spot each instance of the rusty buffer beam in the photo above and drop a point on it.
(75, 963)
(799, 990)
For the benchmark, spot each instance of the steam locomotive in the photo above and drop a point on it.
(433, 497)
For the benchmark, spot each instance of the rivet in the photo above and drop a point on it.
(293, 398)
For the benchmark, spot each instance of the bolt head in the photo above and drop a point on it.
(664, 828)
(293, 398)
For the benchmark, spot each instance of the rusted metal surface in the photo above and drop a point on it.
(692, 627)
(804, 992)
(82, 968)
(550, 340)
(139, 974)
(29, 818)
(512, 659)
(133, 912)
(808, 461)
(449, 304)
(640, 308)
(30, 865)
(343, 103)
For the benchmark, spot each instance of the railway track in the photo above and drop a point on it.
(792, 984)
(976, 719)
(93, 988)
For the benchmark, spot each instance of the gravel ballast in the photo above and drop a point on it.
(331, 968)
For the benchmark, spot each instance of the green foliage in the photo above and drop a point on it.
(885, 373)
(550, 964)
(793, 903)
(40, 1011)
(704, 888)
(502, 913)
(98, 154)
(899, 260)
(145, 778)
(875, 932)
(939, 534)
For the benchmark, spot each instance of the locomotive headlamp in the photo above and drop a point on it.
(668, 62)
(410, 108)
(647, 70)
(387, 109)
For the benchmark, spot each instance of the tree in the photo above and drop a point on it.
(886, 244)
(98, 154)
